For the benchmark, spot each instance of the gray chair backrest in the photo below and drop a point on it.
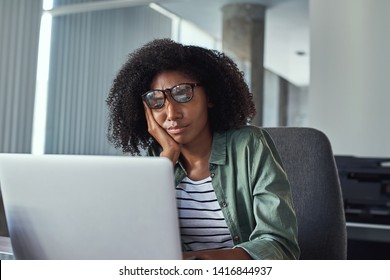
(308, 159)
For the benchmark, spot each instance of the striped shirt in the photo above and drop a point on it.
(202, 224)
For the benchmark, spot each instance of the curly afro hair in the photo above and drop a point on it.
(223, 82)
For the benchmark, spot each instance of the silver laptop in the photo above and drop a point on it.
(90, 207)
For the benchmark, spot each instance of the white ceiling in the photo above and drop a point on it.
(286, 31)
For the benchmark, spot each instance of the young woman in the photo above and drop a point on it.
(192, 105)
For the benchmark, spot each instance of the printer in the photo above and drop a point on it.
(365, 184)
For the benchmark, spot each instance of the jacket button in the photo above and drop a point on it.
(223, 204)
(212, 175)
(236, 238)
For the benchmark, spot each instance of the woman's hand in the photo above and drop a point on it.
(170, 148)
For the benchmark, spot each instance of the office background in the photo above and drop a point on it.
(54, 102)
(326, 65)
(326, 60)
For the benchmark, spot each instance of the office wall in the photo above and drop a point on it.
(350, 69)
(19, 33)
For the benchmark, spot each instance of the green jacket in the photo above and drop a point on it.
(253, 192)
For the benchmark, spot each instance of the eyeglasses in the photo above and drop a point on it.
(181, 93)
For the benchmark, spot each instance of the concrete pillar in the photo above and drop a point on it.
(350, 69)
(243, 40)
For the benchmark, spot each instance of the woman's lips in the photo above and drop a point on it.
(173, 127)
(176, 129)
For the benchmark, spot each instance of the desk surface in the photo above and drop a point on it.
(5, 248)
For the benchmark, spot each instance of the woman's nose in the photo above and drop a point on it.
(172, 109)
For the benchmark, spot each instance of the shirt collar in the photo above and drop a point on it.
(218, 151)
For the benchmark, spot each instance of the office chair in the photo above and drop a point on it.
(307, 157)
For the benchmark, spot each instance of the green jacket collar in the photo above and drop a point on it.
(218, 150)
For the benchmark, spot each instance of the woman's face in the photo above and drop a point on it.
(187, 123)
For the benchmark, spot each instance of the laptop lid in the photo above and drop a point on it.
(90, 207)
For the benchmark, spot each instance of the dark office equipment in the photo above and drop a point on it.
(365, 184)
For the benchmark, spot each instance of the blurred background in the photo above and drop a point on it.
(316, 63)
(320, 63)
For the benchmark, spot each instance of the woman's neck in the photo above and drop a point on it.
(196, 159)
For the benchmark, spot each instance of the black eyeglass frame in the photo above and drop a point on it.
(164, 91)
